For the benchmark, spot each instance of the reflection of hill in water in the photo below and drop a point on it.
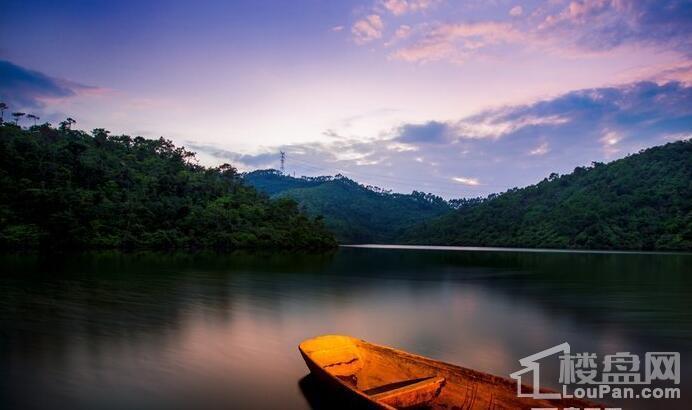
(639, 289)
(102, 293)
(112, 326)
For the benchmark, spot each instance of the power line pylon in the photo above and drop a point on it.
(283, 161)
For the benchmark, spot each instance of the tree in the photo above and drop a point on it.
(67, 124)
(33, 117)
(354, 212)
(17, 116)
(640, 202)
(101, 133)
(64, 189)
(3, 107)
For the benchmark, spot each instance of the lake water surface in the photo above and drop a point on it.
(140, 331)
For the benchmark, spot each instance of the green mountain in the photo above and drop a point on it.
(355, 213)
(61, 188)
(641, 202)
(66, 189)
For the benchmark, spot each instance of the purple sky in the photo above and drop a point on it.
(458, 98)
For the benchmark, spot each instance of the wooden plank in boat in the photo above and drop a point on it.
(408, 393)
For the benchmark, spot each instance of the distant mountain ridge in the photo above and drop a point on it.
(353, 212)
(640, 202)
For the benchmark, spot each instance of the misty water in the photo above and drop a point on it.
(114, 331)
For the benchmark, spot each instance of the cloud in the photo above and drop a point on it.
(575, 29)
(516, 11)
(610, 141)
(21, 88)
(367, 29)
(244, 161)
(399, 7)
(540, 150)
(396, 7)
(432, 132)
(629, 99)
(457, 42)
(466, 181)
(337, 28)
(401, 147)
(598, 25)
(495, 124)
(503, 147)
(427, 51)
(680, 71)
(402, 32)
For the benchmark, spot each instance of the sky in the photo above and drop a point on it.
(461, 98)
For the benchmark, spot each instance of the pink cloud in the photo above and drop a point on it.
(456, 42)
(661, 73)
(367, 29)
(516, 11)
(579, 12)
(403, 31)
(576, 29)
(490, 32)
(594, 25)
(428, 51)
(399, 7)
(396, 7)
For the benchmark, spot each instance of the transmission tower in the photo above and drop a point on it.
(283, 161)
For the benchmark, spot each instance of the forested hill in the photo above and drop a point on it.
(641, 202)
(62, 188)
(355, 213)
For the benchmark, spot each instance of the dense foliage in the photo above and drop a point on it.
(61, 188)
(641, 202)
(355, 213)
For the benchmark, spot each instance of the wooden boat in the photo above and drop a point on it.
(380, 377)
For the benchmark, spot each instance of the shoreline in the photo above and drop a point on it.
(505, 249)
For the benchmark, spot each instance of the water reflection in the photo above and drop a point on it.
(208, 331)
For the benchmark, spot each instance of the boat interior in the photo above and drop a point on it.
(382, 376)
(397, 379)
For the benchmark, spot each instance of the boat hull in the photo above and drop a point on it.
(355, 367)
(337, 387)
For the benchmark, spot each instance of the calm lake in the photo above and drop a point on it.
(140, 331)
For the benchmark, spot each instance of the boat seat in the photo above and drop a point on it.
(408, 393)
